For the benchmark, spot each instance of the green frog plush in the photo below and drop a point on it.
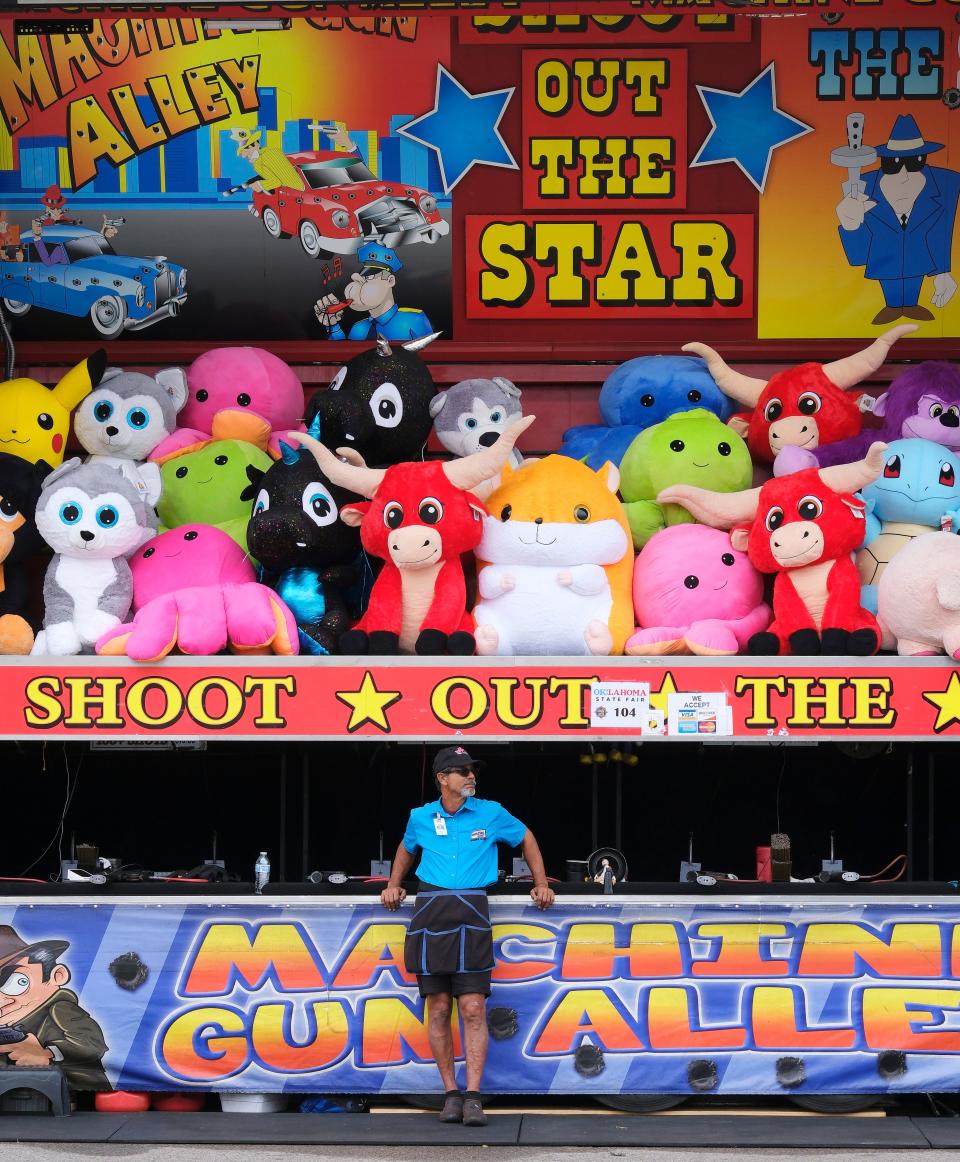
(210, 486)
(686, 448)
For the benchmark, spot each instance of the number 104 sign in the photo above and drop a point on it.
(626, 705)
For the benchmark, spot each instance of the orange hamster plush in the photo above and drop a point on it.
(555, 562)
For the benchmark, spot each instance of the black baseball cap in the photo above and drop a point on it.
(452, 757)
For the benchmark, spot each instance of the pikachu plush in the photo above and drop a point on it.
(555, 562)
(35, 420)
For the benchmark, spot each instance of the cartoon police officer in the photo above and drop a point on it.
(370, 292)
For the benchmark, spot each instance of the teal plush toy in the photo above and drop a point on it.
(686, 448)
(210, 486)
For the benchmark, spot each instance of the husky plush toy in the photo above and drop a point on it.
(91, 516)
(472, 414)
(124, 418)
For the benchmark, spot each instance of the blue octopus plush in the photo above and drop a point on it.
(638, 394)
(919, 490)
(306, 553)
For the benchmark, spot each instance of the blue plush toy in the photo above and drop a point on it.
(638, 394)
(919, 490)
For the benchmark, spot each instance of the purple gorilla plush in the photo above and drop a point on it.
(923, 401)
(693, 593)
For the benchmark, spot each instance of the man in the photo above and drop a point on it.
(449, 945)
(55, 257)
(55, 208)
(41, 1020)
(273, 168)
(900, 229)
(370, 291)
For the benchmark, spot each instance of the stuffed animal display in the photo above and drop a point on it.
(306, 553)
(918, 490)
(803, 528)
(638, 394)
(922, 402)
(91, 516)
(35, 420)
(123, 419)
(918, 597)
(20, 485)
(803, 407)
(211, 486)
(691, 447)
(194, 591)
(236, 393)
(378, 404)
(554, 562)
(419, 519)
(694, 593)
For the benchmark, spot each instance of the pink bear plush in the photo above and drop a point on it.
(194, 590)
(236, 393)
(693, 593)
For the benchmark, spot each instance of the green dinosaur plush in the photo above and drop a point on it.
(207, 486)
(687, 448)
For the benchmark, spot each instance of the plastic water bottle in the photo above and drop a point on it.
(261, 872)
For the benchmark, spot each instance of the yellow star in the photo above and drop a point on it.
(947, 704)
(659, 700)
(368, 704)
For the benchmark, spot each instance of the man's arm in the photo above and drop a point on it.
(394, 893)
(541, 893)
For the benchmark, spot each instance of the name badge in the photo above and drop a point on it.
(440, 825)
(481, 834)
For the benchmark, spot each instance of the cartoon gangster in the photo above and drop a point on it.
(897, 222)
(41, 1021)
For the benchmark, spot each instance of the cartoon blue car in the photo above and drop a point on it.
(119, 292)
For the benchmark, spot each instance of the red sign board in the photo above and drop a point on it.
(604, 126)
(416, 699)
(636, 266)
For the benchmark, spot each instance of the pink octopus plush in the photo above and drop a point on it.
(236, 393)
(693, 593)
(220, 605)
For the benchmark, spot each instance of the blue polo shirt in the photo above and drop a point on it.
(466, 856)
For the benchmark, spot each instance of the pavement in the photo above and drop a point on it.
(33, 1152)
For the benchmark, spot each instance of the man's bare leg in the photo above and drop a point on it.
(472, 1008)
(440, 1036)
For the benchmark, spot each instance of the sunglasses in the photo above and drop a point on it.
(910, 164)
(463, 772)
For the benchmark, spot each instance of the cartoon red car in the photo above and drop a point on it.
(344, 205)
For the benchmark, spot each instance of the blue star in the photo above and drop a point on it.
(463, 128)
(747, 127)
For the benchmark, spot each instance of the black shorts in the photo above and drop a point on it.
(454, 983)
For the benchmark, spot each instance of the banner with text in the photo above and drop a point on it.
(611, 997)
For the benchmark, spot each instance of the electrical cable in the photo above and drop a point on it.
(70, 791)
(10, 350)
(897, 859)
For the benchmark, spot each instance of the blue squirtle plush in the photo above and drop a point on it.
(918, 491)
(306, 553)
(638, 394)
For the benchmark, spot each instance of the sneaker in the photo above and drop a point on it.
(473, 1114)
(452, 1108)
